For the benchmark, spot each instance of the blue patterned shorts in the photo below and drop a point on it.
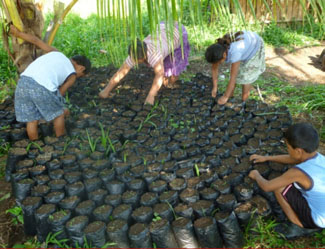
(35, 102)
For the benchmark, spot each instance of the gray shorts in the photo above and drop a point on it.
(35, 102)
(250, 70)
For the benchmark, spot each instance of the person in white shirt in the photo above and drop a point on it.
(245, 52)
(39, 91)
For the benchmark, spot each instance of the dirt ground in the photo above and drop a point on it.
(297, 67)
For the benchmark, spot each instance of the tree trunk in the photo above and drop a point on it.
(28, 17)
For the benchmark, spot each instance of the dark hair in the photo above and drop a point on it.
(214, 53)
(302, 135)
(138, 51)
(83, 61)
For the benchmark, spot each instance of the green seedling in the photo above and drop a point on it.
(171, 208)
(92, 142)
(35, 144)
(52, 240)
(17, 214)
(156, 217)
(197, 171)
(66, 145)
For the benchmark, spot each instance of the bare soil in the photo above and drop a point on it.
(298, 67)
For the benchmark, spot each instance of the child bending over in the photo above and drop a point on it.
(300, 191)
(41, 86)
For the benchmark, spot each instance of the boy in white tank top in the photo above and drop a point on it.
(300, 191)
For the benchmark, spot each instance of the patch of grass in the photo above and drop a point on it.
(262, 235)
(308, 99)
(286, 37)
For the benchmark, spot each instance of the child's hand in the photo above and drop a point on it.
(222, 100)
(13, 30)
(253, 174)
(150, 100)
(104, 95)
(257, 158)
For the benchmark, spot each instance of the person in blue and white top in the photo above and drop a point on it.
(300, 191)
(245, 52)
(39, 91)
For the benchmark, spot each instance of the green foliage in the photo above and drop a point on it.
(4, 147)
(301, 100)
(34, 144)
(286, 37)
(17, 214)
(197, 171)
(92, 142)
(50, 242)
(80, 36)
(261, 234)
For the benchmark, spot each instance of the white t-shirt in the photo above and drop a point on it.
(50, 70)
(244, 49)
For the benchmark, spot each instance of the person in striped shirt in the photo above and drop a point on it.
(167, 60)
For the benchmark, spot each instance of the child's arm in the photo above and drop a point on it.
(115, 80)
(215, 73)
(231, 85)
(285, 159)
(67, 84)
(292, 175)
(31, 39)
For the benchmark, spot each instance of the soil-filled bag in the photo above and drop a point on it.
(184, 233)
(163, 210)
(70, 203)
(226, 202)
(85, 208)
(117, 232)
(131, 197)
(77, 188)
(22, 188)
(243, 192)
(95, 234)
(92, 184)
(137, 185)
(142, 214)
(149, 199)
(29, 206)
(14, 156)
(245, 212)
(139, 236)
(103, 213)
(203, 208)
(54, 197)
(207, 232)
(17, 176)
(115, 187)
(98, 196)
(41, 217)
(57, 223)
(113, 200)
(123, 212)
(57, 185)
(184, 210)
(230, 231)
(162, 234)
(75, 227)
